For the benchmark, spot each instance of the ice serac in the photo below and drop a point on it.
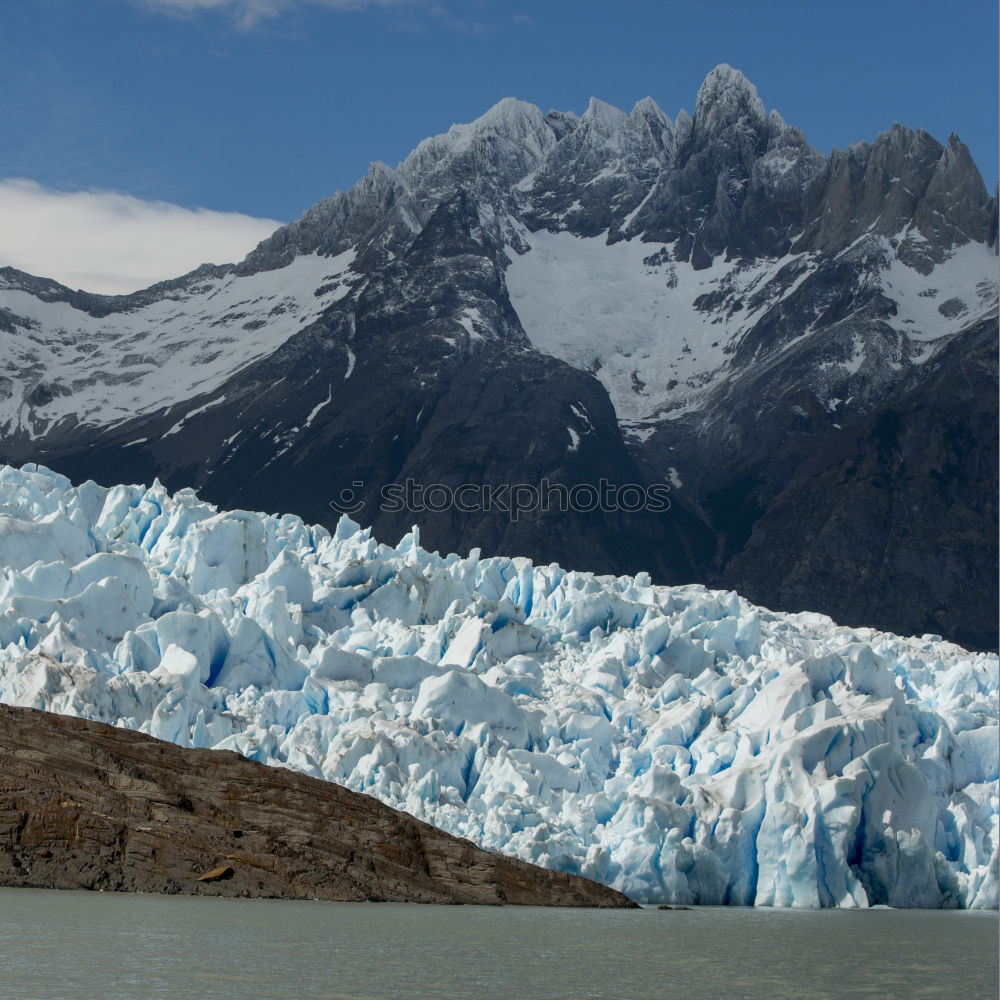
(803, 347)
(676, 743)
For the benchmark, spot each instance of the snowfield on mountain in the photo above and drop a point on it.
(677, 743)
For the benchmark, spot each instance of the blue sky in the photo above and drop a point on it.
(264, 106)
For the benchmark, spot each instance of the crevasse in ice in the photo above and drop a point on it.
(677, 743)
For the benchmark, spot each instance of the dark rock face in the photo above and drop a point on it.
(892, 483)
(89, 806)
(461, 444)
(844, 292)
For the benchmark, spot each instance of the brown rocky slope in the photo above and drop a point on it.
(88, 806)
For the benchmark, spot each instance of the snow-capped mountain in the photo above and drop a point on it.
(677, 743)
(803, 347)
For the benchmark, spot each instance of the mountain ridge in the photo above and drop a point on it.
(735, 294)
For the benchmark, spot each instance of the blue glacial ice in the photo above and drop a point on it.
(677, 743)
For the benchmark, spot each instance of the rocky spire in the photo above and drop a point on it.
(725, 98)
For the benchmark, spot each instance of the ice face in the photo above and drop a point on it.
(677, 743)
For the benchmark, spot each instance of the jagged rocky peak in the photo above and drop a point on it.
(562, 122)
(648, 118)
(332, 225)
(904, 182)
(958, 194)
(508, 141)
(646, 130)
(648, 110)
(683, 127)
(600, 170)
(486, 157)
(726, 98)
(992, 220)
(603, 117)
(731, 178)
(509, 117)
(612, 140)
(736, 179)
(584, 173)
(789, 162)
(781, 135)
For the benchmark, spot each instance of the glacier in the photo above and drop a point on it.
(677, 743)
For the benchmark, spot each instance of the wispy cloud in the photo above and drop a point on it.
(447, 17)
(114, 243)
(249, 13)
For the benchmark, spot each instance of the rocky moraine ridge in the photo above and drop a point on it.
(88, 806)
(802, 346)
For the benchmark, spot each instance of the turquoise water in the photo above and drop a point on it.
(73, 945)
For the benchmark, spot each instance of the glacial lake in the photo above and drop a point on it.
(73, 945)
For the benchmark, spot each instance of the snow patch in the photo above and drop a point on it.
(183, 345)
(626, 312)
(319, 406)
(965, 289)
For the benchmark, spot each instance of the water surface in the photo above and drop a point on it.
(73, 945)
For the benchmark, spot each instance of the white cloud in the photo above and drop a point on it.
(114, 243)
(247, 13)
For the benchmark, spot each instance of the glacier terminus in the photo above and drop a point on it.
(677, 743)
